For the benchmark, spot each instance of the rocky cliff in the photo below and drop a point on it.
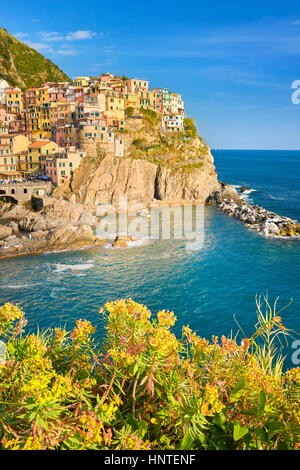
(172, 168)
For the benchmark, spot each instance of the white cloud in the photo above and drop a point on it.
(51, 36)
(39, 46)
(80, 34)
(20, 35)
(70, 52)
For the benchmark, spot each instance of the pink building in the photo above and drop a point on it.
(66, 136)
(60, 167)
(135, 84)
(75, 94)
(56, 94)
(30, 97)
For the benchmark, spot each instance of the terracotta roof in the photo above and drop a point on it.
(40, 143)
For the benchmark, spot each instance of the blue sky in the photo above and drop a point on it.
(234, 62)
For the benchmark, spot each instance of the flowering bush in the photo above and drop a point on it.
(144, 388)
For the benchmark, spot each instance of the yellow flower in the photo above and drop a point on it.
(10, 312)
(82, 331)
(166, 318)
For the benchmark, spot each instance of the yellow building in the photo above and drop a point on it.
(114, 108)
(36, 151)
(42, 95)
(10, 146)
(132, 101)
(82, 81)
(147, 99)
(21, 161)
(13, 101)
(39, 121)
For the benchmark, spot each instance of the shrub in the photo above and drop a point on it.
(129, 111)
(140, 143)
(190, 128)
(144, 388)
(150, 117)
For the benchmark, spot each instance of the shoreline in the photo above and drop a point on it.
(266, 223)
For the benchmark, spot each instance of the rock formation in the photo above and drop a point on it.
(59, 225)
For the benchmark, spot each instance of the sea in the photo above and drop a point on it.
(212, 288)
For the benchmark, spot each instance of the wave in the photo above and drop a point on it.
(276, 198)
(20, 286)
(249, 191)
(72, 267)
(130, 244)
(16, 286)
(194, 246)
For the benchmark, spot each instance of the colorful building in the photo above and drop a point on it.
(36, 151)
(172, 123)
(14, 101)
(10, 146)
(135, 84)
(61, 166)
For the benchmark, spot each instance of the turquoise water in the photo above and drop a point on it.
(206, 288)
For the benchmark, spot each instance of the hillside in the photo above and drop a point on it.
(24, 67)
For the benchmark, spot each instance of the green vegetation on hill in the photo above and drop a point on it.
(167, 149)
(22, 66)
(145, 388)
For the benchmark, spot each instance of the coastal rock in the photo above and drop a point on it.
(39, 234)
(223, 193)
(16, 212)
(59, 224)
(270, 228)
(14, 226)
(66, 234)
(244, 188)
(122, 242)
(267, 223)
(5, 231)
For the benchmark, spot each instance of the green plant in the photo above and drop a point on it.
(190, 128)
(144, 388)
(129, 111)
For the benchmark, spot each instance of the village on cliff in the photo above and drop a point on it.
(45, 132)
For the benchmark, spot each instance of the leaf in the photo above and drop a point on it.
(132, 422)
(237, 390)
(186, 442)
(239, 431)
(262, 402)
(133, 369)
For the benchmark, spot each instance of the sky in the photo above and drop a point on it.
(234, 62)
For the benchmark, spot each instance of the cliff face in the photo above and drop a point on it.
(112, 178)
(167, 168)
(24, 67)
